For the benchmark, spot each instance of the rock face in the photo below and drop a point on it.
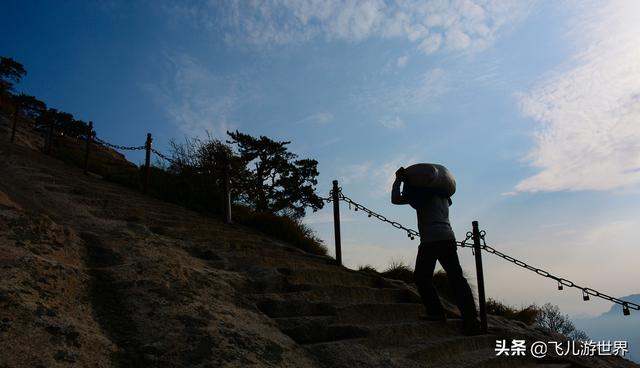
(97, 275)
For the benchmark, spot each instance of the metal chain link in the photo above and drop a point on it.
(411, 233)
(162, 156)
(133, 148)
(124, 148)
(560, 280)
(464, 243)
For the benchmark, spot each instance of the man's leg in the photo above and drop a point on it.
(423, 275)
(448, 257)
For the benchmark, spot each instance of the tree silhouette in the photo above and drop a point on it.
(202, 164)
(30, 106)
(279, 182)
(11, 72)
(61, 122)
(551, 319)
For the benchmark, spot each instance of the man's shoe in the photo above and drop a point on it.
(471, 328)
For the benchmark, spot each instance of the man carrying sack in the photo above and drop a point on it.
(428, 189)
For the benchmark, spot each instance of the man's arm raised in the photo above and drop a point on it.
(396, 196)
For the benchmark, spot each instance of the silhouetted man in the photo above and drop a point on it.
(437, 243)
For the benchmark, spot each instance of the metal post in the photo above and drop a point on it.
(227, 191)
(147, 163)
(481, 297)
(336, 221)
(88, 147)
(15, 122)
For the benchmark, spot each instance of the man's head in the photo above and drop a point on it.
(401, 174)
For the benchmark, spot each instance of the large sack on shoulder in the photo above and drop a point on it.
(431, 176)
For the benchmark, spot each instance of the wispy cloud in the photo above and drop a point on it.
(400, 96)
(401, 62)
(431, 25)
(325, 217)
(392, 122)
(196, 99)
(589, 138)
(377, 177)
(321, 118)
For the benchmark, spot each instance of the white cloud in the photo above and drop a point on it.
(325, 217)
(377, 177)
(431, 25)
(400, 96)
(392, 122)
(197, 100)
(431, 43)
(321, 118)
(401, 62)
(589, 138)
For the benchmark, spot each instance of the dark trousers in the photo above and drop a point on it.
(445, 251)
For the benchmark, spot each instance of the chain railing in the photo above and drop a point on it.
(479, 243)
(336, 195)
(91, 137)
(134, 148)
(115, 146)
(411, 233)
(163, 156)
(562, 281)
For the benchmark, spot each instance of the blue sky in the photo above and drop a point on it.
(533, 105)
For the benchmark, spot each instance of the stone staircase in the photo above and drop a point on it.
(351, 319)
(338, 317)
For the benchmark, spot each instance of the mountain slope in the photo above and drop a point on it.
(97, 275)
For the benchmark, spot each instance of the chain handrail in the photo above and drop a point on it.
(115, 146)
(411, 233)
(561, 281)
(162, 156)
(469, 235)
(134, 148)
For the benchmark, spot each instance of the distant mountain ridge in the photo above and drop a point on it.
(613, 325)
(617, 309)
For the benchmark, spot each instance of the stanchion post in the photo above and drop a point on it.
(336, 221)
(147, 163)
(227, 190)
(15, 122)
(88, 147)
(481, 297)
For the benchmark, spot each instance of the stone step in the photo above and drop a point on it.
(332, 276)
(479, 351)
(359, 294)
(313, 329)
(444, 353)
(296, 305)
(353, 354)
(409, 332)
(372, 313)
(244, 258)
(482, 358)
(447, 349)
(275, 306)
